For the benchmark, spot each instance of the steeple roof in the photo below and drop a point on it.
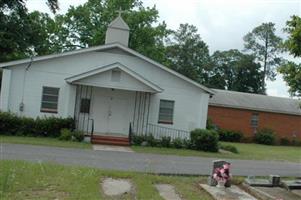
(119, 23)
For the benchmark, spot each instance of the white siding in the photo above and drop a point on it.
(190, 102)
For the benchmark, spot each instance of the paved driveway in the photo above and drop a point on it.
(150, 163)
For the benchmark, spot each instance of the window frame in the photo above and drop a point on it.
(160, 121)
(50, 110)
(253, 119)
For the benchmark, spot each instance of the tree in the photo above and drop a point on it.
(233, 70)
(20, 31)
(265, 45)
(292, 75)
(86, 25)
(293, 43)
(188, 54)
(291, 71)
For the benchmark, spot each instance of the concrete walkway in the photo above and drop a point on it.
(149, 163)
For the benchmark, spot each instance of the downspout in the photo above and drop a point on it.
(21, 106)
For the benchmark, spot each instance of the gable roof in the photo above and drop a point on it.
(106, 47)
(116, 65)
(256, 102)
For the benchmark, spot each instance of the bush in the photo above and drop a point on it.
(187, 144)
(138, 139)
(78, 136)
(230, 148)
(177, 143)
(165, 141)
(230, 136)
(151, 141)
(51, 126)
(11, 124)
(284, 141)
(265, 136)
(206, 140)
(210, 125)
(66, 134)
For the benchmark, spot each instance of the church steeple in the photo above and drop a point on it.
(118, 31)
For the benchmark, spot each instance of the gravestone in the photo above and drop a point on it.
(218, 164)
(272, 181)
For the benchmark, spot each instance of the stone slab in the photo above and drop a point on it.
(292, 185)
(278, 193)
(297, 192)
(231, 193)
(116, 187)
(100, 147)
(258, 182)
(167, 192)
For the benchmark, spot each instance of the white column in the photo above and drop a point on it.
(70, 100)
(5, 90)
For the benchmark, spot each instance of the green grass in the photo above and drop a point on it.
(24, 180)
(43, 141)
(245, 152)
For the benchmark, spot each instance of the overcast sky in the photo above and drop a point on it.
(221, 23)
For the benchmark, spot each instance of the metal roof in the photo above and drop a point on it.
(257, 102)
(103, 48)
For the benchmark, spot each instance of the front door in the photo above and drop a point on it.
(110, 114)
(118, 120)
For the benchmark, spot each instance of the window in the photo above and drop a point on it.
(254, 120)
(85, 106)
(50, 98)
(166, 112)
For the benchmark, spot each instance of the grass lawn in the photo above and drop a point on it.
(43, 141)
(24, 180)
(246, 152)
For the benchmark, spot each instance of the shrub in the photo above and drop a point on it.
(51, 126)
(12, 124)
(151, 141)
(66, 134)
(210, 125)
(78, 136)
(230, 136)
(265, 136)
(230, 148)
(206, 140)
(138, 139)
(165, 141)
(187, 144)
(177, 143)
(284, 141)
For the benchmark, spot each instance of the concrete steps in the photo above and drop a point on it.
(110, 140)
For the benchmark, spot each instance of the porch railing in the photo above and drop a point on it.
(161, 131)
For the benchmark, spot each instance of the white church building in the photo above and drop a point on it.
(108, 90)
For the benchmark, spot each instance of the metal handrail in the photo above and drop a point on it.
(92, 129)
(130, 133)
(160, 131)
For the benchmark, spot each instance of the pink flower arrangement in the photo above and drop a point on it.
(222, 175)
